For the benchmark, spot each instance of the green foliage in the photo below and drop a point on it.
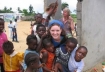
(74, 16)
(19, 10)
(6, 10)
(26, 12)
(64, 4)
(30, 9)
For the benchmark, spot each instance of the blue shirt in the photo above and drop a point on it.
(57, 43)
(30, 51)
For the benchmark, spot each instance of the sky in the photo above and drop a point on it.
(37, 4)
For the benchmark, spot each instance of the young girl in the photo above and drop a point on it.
(63, 54)
(40, 31)
(14, 30)
(32, 48)
(3, 38)
(76, 63)
(12, 60)
(47, 55)
(10, 26)
(38, 20)
(32, 62)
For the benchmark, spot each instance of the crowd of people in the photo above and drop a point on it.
(51, 46)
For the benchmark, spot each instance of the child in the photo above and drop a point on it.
(75, 63)
(12, 60)
(63, 54)
(38, 20)
(32, 48)
(32, 62)
(14, 30)
(3, 38)
(40, 31)
(48, 55)
(10, 26)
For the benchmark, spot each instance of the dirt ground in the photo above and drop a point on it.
(23, 30)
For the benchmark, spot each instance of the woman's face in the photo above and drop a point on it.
(55, 32)
(65, 13)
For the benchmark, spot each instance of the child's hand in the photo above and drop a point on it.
(42, 65)
(41, 55)
(43, 36)
(52, 71)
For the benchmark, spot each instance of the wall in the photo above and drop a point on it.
(92, 30)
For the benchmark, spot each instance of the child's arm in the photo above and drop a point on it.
(71, 23)
(80, 68)
(44, 60)
(39, 48)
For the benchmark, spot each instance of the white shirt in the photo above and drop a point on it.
(15, 24)
(10, 26)
(73, 65)
(45, 16)
(34, 29)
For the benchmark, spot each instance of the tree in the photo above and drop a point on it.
(30, 9)
(19, 10)
(64, 4)
(10, 9)
(25, 12)
(5, 9)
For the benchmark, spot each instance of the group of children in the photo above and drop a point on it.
(40, 55)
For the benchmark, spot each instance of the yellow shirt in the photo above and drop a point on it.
(12, 62)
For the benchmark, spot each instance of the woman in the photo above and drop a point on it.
(49, 13)
(56, 33)
(68, 22)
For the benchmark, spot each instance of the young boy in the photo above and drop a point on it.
(63, 54)
(11, 59)
(40, 31)
(14, 30)
(32, 62)
(38, 20)
(10, 26)
(31, 41)
(75, 63)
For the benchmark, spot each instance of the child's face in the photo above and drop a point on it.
(1, 26)
(41, 31)
(33, 45)
(8, 50)
(39, 19)
(80, 54)
(70, 46)
(35, 65)
(50, 47)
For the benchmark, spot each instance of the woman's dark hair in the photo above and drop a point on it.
(30, 38)
(8, 44)
(30, 58)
